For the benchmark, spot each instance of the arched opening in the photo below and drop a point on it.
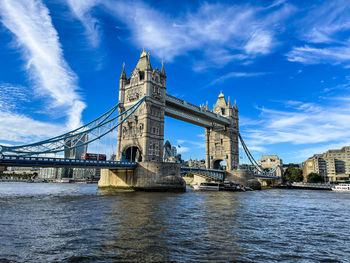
(220, 165)
(132, 154)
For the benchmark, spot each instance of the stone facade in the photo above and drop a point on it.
(269, 162)
(141, 137)
(222, 142)
(148, 176)
(333, 165)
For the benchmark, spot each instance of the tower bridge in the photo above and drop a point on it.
(143, 103)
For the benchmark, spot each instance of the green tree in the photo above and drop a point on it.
(314, 178)
(293, 174)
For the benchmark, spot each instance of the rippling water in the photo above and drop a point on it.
(78, 223)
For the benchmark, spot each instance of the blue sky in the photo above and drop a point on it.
(286, 63)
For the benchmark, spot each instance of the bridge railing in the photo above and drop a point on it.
(13, 160)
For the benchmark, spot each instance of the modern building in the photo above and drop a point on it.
(333, 165)
(170, 153)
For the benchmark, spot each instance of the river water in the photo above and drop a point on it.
(78, 223)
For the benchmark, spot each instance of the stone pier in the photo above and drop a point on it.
(244, 177)
(147, 176)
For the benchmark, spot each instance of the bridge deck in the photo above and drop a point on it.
(267, 176)
(185, 111)
(13, 160)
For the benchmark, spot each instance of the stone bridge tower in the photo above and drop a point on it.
(222, 142)
(141, 137)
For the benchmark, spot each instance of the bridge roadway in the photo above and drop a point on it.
(29, 161)
(267, 176)
(185, 111)
(203, 172)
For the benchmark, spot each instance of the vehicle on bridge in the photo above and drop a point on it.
(93, 156)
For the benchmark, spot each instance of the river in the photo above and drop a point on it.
(79, 223)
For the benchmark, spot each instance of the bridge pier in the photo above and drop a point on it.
(244, 177)
(147, 176)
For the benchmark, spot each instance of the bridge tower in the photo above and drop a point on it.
(222, 141)
(141, 137)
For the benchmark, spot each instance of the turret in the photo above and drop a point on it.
(123, 75)
(162, 70)
(122, 83)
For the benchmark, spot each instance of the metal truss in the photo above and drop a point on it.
(79, 137)
(258, 168)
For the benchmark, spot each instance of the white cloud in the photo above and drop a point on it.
(20, 128)
(311, 55)
(234, 33)
(82, 10)
(325, 29)
(30, 22)
(309, 124)
(235, 75)
(182, 149)
(11, 95)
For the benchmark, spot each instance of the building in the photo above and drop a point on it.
(79, 148)
(270, 161)
(333, 165)
(196, 163)
(222, 143)
(72, 153)
(170, 153)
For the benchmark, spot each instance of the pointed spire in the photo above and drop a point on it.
(123, 75)
(206, 106)
(144, 61)
(149, 61)
(235, 104)
(143, 53)
(229, 101)
(162, 71)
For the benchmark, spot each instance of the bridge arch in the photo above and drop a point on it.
(132, 153)
(220, 164)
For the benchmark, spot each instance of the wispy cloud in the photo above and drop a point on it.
(235, 75)
(325, 32)
(82, 11)
(234, 33)
(11, 96)
(18, 128)
(30, 23)
(299, 123)
(312, 55)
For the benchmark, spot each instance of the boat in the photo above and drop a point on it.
(63, 180)
(207, 187)
(230, 186)
(225, 186)
(341, 187)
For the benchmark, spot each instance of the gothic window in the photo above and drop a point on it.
(142, 75)
(223, 111)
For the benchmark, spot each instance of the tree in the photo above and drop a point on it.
(293, 174)
(314, 178)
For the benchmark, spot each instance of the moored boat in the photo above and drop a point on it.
(207, 187)
(341, 187)
(64, 180)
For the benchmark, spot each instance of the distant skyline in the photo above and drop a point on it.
(286, 63)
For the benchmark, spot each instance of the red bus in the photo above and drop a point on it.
(93, 156)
